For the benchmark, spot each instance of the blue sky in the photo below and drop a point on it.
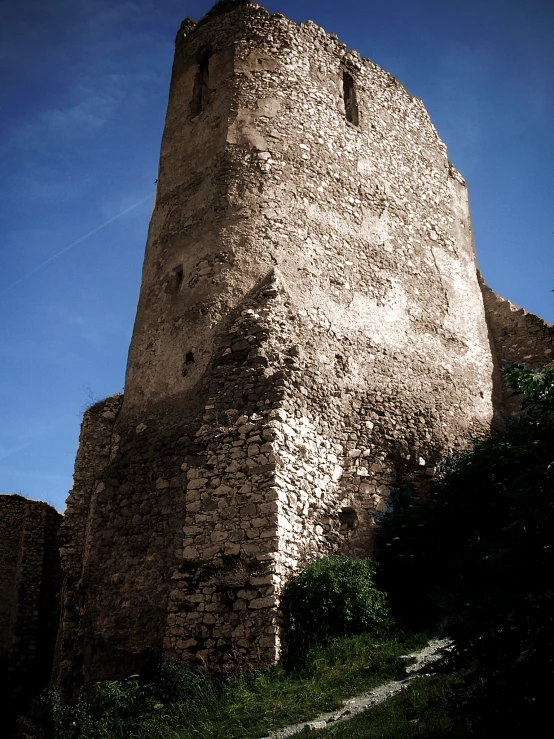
(84, 92)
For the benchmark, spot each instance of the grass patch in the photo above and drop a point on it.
(419, 711)
(240, 708)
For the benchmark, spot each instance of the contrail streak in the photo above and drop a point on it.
(74, 244)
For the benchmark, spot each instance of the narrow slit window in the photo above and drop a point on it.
(350, 98)
(175, 280)
(178, 276)
(201, 90)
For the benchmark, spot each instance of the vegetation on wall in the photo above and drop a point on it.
(481, 553)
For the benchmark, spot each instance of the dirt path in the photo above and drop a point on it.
(353, 706)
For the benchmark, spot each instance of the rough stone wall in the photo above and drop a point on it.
(516, 336)
(309, 325)
(30, 581)
(95, 448)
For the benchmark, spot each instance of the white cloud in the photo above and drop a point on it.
(98, 68)
(88, 106)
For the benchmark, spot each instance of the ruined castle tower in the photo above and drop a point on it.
(310, 324)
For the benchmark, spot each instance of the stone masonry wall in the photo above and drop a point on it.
(263, 500)
(519, 336)
(516, 336)
(30, 581)
(96, 442)
(309, 327)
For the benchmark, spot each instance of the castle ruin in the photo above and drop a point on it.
(310, 326)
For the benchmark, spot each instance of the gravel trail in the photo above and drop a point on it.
(353, 706)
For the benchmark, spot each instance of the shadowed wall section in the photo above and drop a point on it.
(30, 581)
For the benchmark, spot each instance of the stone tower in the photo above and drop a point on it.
(310, 325)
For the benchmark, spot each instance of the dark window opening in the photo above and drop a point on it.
(348, 518)
(350, 98)
(178, 275)
(189, 358)
(175, 280)
(201, 91)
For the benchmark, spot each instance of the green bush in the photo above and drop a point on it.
(333, 597)
(482, 547)
(121, 708)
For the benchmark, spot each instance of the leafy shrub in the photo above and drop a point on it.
(332, 597)
(114, 708)
(412, 556)
(484, 543)
(120, 708)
